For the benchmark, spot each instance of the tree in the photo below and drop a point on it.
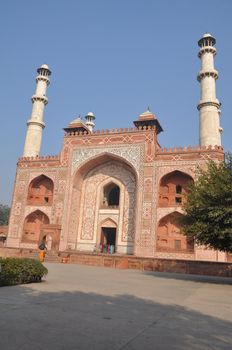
(208, 209)
(4, 214)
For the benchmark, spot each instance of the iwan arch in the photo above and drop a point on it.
(102, 191)
(113, 187)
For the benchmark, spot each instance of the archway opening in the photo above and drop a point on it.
(108, 239)
(111, 194)
(174, 188)
(32, 226)
(170, 236)
(40, 191)
(47, 240)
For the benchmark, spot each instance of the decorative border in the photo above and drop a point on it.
(132, 154)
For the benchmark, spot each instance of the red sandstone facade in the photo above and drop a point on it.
(114, 187)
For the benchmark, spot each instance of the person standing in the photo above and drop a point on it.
(42, 251)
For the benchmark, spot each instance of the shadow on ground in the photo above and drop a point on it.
(31, 319)
(192, 278)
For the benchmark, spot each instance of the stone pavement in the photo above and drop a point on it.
(85, 307)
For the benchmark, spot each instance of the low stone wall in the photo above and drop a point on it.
(18, 253)
(208, 268)
(153, 264)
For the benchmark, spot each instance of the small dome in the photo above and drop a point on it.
(45, 66)
(147, 112)
(44, 70)
(147, 115)
(77, 121)
(206, 35)
(90, 114)
(77, 125)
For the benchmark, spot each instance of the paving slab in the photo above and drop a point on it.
(86, 307)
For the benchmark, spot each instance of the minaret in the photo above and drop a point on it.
(209, 106)
(36, 124)
(90, 121)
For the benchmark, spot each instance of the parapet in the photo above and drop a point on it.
(189, 149)
(38, 158)
(111, 131)
(45, 160)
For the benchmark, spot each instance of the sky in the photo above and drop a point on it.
(114, 58)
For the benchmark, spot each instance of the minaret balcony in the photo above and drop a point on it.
(43, 78)
(203, 74)
(207, 49)
(205, 103)
(36, 122)
(40, 98)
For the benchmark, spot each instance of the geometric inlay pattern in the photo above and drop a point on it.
(131, 153)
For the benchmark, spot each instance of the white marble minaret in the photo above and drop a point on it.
(36, 124)
(209, 106)
(90, 121)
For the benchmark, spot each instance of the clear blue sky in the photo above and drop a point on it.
(111, 57)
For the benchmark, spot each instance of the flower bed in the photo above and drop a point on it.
(20, 270)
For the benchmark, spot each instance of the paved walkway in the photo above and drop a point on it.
(83, 307)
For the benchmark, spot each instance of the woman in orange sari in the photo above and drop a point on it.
(42, 251)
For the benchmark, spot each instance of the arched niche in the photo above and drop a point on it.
(110, 195)
(173, 188)
(40, 191)
(32, 226)
(170, 236)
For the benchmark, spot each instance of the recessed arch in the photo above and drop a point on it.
(170, 236)
(173, 188)
(95, 161)
(110, 195)
(40, 191)
(85, 200)
(183, 170)
(32, 226)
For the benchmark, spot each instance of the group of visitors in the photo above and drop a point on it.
(105, 248)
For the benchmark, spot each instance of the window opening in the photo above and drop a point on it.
(111, 195)
(177, 244)
(178, 200)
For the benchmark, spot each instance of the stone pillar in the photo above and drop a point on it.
(209, 106)
(36, 124)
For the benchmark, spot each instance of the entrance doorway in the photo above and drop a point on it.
(108, 239)
(50, 235)
(48, 243)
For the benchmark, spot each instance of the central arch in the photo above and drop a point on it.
(110, 176)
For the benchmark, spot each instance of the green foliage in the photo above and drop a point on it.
(20, 270)
(4, 214)
(208, 208)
